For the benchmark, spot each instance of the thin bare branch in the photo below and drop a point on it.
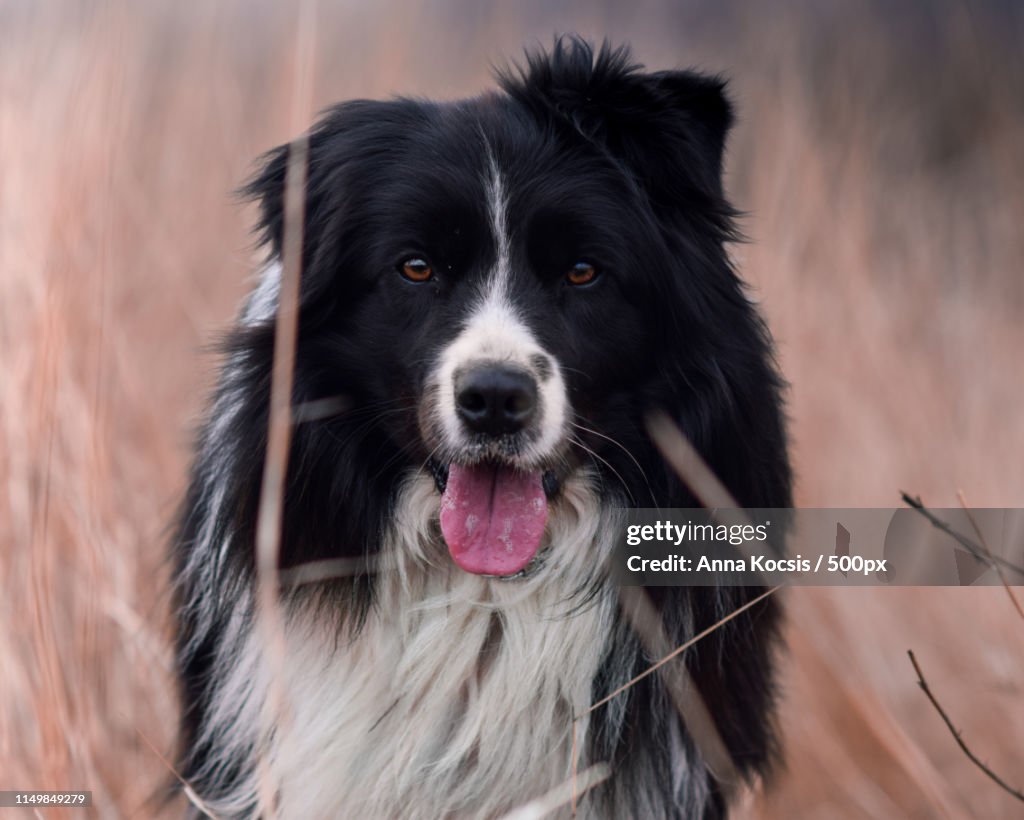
(988, 552)
(691, 468)
(696, 474)
(963, 540)
(643, 616)
(675, 653)
(313, 571)
(575, 757)
(279, 432)
(688, 463)
(958, 735)
(186, 787)
(687, 700)
(320, 409)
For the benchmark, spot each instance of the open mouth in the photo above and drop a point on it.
(493, 514)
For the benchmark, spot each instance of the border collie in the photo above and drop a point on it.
(495, 291)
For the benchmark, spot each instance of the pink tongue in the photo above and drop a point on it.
(493, 518)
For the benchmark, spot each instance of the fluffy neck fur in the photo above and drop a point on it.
(455, 698)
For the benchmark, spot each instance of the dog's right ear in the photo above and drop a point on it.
(266, 187)
(325, 163)
(338, 144)
(334, 144)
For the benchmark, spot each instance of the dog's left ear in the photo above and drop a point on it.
(667, 128)
(696, 123)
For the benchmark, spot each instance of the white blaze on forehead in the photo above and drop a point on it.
(497, 207)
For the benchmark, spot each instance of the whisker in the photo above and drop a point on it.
(626, 451)
(594, 455)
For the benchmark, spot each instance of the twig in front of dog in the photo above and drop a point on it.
(695, 473)
(312, 572)
(958, 735)
(647, 624)
(710, 743)
(683, 457)
(679, 650)
(963, 540)
(186, 787)
(560, 795)
(574, 753)
(988, 552)
(279, 425)
(275, 467)
(318, 409)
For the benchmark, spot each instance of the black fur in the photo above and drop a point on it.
(603, 161)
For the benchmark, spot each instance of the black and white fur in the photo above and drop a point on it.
(417, 689)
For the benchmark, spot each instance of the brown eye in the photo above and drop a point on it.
(417, 270)
(581, 273)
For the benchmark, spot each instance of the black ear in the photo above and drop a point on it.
(350, 146)
(330, 150)
(667, 128)
(266, 187)
(336, 141)
(350, 141)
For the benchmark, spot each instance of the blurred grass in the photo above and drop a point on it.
(878, 156)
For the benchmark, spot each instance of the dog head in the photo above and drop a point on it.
(500, 287)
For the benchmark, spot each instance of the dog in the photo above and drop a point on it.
(494, 294)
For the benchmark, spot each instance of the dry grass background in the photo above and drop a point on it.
(880, 156)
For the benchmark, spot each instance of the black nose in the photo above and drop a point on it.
(495, 400)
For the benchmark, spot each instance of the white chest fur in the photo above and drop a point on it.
(457, 696)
